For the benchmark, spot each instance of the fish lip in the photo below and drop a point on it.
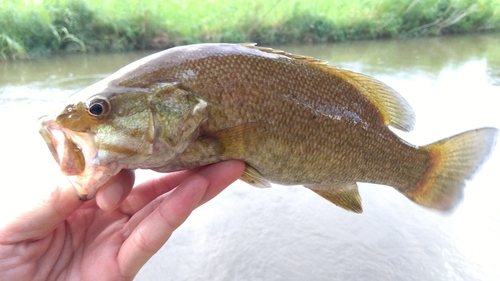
(47, 126)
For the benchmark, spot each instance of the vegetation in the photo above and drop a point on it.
(41, 27)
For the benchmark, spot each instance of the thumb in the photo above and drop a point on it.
(42, 218)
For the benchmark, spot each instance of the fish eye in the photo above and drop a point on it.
(98, 107)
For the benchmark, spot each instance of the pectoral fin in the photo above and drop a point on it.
(343, 195)
(253, 177)
(235, 140)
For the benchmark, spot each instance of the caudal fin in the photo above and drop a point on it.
(454, 160)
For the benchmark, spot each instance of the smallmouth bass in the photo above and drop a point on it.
(294, 120)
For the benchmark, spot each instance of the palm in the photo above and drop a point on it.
(87, 238)
(69, 240)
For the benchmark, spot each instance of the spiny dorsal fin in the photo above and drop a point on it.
(343, 195)
(283, 53)
(395, 110)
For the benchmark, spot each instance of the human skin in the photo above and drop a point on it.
(111, 237)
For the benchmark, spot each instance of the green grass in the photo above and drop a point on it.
(43, 27)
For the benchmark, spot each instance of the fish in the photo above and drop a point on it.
(293, 120)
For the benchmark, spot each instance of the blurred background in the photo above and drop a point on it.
(442, 56)
(34, 27)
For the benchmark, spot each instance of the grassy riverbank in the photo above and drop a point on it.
(32, 27)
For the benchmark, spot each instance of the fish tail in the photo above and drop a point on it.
(453, 160)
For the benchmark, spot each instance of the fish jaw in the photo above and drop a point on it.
(66, 153)
(93, 177)
(76, 155)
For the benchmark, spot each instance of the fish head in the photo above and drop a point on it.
(98, 133)
(139, 117)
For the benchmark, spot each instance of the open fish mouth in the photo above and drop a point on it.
(76, 155)
(65, 151)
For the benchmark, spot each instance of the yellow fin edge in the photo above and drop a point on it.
(453, 161)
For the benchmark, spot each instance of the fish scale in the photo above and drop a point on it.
(294, 121)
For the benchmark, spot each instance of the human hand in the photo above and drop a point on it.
(111, 237)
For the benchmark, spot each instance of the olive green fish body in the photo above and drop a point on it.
(292, 119)
(281, 123)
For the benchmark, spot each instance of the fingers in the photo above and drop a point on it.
(44, 218)
(110, 195)
(153, 232)
(159, 219)
(147, 191)
(219, 176)
(144, 193)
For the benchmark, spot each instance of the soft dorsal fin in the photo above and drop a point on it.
(395, 110)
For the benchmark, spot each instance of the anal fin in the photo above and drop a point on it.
(253, 177)
(344, 195)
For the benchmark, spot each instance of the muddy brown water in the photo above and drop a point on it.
(289, 233)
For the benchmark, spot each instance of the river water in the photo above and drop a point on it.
(289, 233)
